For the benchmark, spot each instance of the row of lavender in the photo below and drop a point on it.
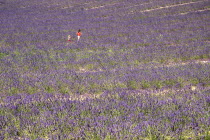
(40, 25)
(160, 42)
(120, 115)
(52, 79)
(120, 54)
(172, 30)
(114, 46)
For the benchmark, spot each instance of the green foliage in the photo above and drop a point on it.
(181, 81)
(169, 82)
(132, 84)
(31, 90)
(13, 90)
(115, 112)
(121, 85)
(49, 89)
(145, 84)
(194, 81)
(109, 137)
(151, 133)
(184, 58)
(142, 44)
(64, 90)
(207, 137)
(205, 56)
(113, 63)
(2, 55)
(16, 52)
(89, 66)
(85, 113)
(94, 86)
(107, 86)
(158, 84)
(82, 89)
(206, 81)
(162, 60)
(61, 115)
(136, 62)
(92, 135)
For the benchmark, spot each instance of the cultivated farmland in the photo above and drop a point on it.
(141, 69)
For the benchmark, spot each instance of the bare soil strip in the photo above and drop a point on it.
(141, 91)
(195, 11)
(149, 10)
(101, 6)
(206, 61)
(170, 6)
(87, 96)
(115, 4)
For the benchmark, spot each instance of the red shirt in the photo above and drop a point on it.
(79, 33)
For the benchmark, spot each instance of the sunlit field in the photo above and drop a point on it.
(140, 71)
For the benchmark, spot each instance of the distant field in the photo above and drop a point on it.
(140, 71)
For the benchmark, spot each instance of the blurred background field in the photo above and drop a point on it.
(146, 54)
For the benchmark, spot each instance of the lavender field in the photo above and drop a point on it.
(141, 70)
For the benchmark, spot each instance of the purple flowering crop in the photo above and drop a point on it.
(140, 69)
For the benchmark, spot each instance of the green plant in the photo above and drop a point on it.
(2, 55)
(158, 84)
(132, 84)
(31, 90)
(169, 82)
(13, 90)
(194, 81)
(145, 84)
(49, 89)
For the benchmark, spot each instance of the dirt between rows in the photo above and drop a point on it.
(136, 92)
(170, 64)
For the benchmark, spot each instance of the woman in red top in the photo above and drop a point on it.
(79, 34)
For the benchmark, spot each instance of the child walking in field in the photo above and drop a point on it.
(78, 35)
(69, 38)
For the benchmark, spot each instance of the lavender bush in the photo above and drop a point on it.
(120, 115)
(140, 70)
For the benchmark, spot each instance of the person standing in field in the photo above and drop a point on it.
(78, 35)
(69, 38)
